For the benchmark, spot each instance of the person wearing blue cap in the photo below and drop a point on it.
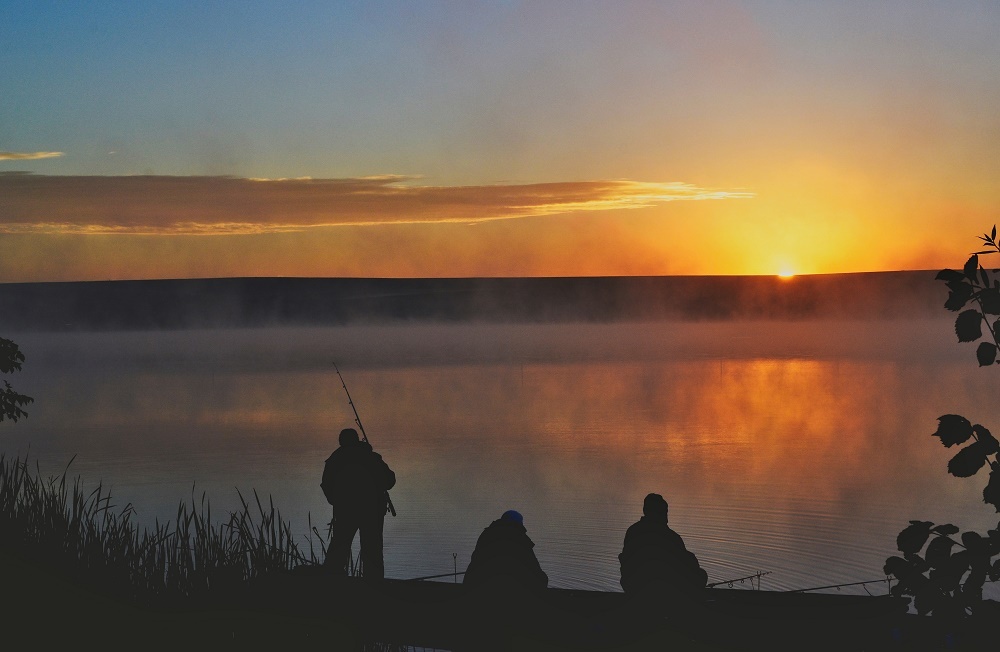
(505, 556)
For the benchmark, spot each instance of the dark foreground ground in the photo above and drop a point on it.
(306, 611)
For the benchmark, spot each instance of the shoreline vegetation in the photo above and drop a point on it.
(172, 304)
(78, 569)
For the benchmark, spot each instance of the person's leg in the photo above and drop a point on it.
(338, 555)
(371, 546)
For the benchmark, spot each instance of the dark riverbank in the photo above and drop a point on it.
(256, 302)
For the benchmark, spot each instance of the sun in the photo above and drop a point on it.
(786, 273)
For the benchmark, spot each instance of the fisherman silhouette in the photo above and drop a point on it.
(356, 481)
(654, 559)
(504, 557)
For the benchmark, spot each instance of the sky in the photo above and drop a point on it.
(504, 138)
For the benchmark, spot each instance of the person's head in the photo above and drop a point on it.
(512, 515)
(348, 436)
(655, 507)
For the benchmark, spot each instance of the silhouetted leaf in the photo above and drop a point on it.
(945, 529)
(969, 326)
(913, 537)
(986, 354)
(995, 571)
(938, 551)
(993, 233)
(984, 278)
(950, 275)
(10, 356)
(986, 438)
(956, 301)
(960, 292)
(949, 575)
(908, 572)
(972, 589)
(970, 267)
(991, 493)
(967, 461)
(953, 429)
(990, 298)
(896, 566)
(974, 542)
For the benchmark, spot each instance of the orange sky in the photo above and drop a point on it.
(503, 139)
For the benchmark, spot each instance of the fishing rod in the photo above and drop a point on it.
(364, 436)
(756, 575)
(838, 586)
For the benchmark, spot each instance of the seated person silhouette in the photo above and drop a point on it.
(504, 557)
(654, 559)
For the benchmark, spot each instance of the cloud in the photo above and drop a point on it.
(165, 205)
(28, 156)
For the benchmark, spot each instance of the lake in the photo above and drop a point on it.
(796, 448)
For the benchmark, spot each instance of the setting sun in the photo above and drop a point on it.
(786, 273)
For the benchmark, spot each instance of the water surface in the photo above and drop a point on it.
(798, 448)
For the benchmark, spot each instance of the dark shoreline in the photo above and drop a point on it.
(259, 302)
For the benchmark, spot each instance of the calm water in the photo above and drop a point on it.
(796, 448)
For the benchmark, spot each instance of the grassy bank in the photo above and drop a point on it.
(76, 569)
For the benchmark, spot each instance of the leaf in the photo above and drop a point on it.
(897, 567)
(953, 429)
(967, 461)
(959, 294)
(974, 542)
(993, 233)
(983, 276)
(986, 438)
(10, 356)
(986, 354)
(971, 266)
(956, 301)
(913, 537)
(995, 571)
(945, 529)
(938, 551)
(949, 575)
(972, 589)
(990, 298)
(950, 275)
(969, 326)
(991, 493)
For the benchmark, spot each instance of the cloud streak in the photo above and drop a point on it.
(28, 156)
(166, 205)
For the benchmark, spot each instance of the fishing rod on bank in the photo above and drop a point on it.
(364, 437)
(757, 576)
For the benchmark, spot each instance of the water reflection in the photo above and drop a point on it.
(796, 449)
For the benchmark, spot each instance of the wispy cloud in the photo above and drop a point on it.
(28, 156)
(162, 205)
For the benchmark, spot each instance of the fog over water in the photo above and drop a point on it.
(800, 448)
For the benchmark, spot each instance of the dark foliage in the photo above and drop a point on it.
(947, 581)
(11, 403)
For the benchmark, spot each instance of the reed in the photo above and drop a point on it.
(84, 535)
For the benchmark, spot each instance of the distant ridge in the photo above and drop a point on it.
(255, 302)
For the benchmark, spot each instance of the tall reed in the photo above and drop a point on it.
(85, 535)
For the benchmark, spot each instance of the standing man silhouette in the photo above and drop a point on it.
(356, 481)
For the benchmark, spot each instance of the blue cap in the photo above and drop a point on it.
(512, 515)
